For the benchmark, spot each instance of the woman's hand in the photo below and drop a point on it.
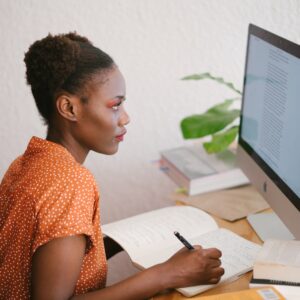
(193, 267)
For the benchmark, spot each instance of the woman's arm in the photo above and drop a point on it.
(185, 268)
(56, 267)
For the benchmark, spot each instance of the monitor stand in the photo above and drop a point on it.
(269, 226)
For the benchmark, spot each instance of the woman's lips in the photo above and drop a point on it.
(120, 137)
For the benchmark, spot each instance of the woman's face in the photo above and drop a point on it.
(101, 122)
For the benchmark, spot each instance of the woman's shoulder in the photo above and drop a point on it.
(44, 173)
(70, 172)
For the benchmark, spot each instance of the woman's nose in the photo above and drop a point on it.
(124, 118)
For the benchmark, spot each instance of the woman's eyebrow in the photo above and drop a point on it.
(121, 97)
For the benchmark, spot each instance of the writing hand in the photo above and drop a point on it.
(194, 267)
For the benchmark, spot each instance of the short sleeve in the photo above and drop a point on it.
(67, 207)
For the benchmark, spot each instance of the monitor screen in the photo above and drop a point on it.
(269, 139)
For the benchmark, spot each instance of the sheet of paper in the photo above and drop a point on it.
(230, 204)
(147, 232)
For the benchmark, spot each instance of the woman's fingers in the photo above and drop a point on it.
(216, 275)
(212, 253)
(214, 280)
(214, 263)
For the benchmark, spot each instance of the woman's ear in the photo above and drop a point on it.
(68, 106)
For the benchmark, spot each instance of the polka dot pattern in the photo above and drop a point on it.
(46, 194)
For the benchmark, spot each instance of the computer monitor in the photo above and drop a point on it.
(269, 136)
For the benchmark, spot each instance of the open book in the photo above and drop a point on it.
(149, 239)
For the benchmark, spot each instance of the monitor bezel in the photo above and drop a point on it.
(292, 49)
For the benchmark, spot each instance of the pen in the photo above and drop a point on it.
(183, 240)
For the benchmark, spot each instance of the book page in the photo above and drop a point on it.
(238, 255)
(145, 233)
(280, 252)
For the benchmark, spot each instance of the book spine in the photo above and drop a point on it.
(273, 282)
(170, 170)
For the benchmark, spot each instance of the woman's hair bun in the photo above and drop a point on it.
(51, 60)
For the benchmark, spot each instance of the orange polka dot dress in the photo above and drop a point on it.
(46, 194)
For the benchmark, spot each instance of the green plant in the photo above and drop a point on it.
(215, 121)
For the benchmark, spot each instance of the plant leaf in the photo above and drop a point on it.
(210, 122)
(221, 107)
(221, 141)
(197, 76)
(209, 76)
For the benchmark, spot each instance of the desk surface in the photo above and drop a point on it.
(243, 229)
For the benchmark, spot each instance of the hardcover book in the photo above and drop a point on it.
(197, 172)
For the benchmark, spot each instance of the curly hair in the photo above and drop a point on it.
(64, 62)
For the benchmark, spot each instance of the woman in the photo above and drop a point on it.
(50, 240)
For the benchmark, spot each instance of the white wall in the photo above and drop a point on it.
(154, 43)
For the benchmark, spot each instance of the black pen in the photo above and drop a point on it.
(183, 240)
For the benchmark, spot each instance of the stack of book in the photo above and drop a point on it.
(192, 169)
(278, 264)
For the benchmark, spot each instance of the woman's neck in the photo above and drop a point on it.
(64, 138)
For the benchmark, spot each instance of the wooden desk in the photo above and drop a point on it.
(243, 229)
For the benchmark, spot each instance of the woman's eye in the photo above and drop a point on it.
(116, 106)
